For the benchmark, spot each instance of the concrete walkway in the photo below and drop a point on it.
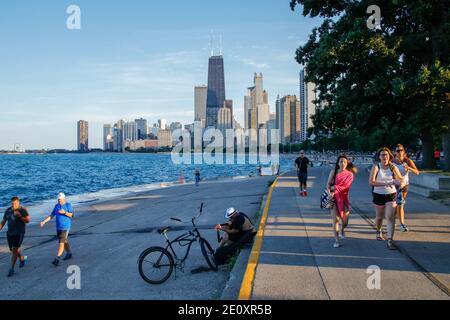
(107, 239)
(297, 259)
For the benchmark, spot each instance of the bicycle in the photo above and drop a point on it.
(163, 261)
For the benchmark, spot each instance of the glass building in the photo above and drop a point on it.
(216, 90)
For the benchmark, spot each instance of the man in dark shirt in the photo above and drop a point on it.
(302, 164)
(17, 217)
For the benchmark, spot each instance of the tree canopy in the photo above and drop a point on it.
(384, 86)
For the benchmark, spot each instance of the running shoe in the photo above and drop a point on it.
(301, 194)
(390, 245)
(56, 262)
(22, 262)
(11, 273)
(380, 236)
(403, 228)
(342, 234)
(336, 245)
(305, 194)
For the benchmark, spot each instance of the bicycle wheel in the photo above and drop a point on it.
(155, 265)
(208, 254)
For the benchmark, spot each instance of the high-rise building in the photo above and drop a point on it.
(288, 119)
(308, 95)
(118, 141)
(225, 119)
(83, 136)
(130, 132)
(216, 90)
(201, 94)
(107, 137)
(164, 138)
(229, 105)
(175, 126)
(256, 106)
(142, 129)
(162, 124)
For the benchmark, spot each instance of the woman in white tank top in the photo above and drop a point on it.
(405, 165)
(383, 178)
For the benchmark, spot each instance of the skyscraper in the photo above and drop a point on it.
(201, 93)
(216, 90)
(142, 129)
(256, 106)
(130, 132)
(308, 106)
(107, 137)
(288, 119)
(83, 136)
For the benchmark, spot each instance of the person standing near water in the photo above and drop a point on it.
(17, 218)
(63, 212)
(197, 177)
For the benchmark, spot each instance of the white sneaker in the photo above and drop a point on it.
(403, 228)
(342, 234)
(336, 245)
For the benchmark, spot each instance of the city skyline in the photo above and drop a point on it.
(138, 67)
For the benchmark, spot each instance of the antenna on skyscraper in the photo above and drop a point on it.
(211, 40)
(220, 46)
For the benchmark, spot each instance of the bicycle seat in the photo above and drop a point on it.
(163, 230)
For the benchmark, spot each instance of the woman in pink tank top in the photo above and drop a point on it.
(339, 183)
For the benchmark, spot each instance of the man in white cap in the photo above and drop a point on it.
(63, 212)
(238, 226)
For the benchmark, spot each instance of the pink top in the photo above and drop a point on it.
(344, 181)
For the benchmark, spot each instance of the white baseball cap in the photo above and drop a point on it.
(230, 212)
(61, 196)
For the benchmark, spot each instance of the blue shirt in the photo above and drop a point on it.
(63, 222)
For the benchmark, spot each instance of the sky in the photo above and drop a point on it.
(133, 59)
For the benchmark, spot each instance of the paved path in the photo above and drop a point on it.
(108, 237)
(297, 259)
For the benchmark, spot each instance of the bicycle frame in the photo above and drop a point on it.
(189, 237)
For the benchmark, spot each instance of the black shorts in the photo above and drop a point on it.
(62, 235)
(302, 177)
(15, 241)
(381, 199)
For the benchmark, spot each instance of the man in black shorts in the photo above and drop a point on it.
(302, 164)
(17, 217)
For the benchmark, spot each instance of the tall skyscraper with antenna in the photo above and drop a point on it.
(216, 88)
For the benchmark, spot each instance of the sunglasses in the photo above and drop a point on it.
(399, 150)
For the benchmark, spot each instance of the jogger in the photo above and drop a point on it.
(17, 217)
(63, 212)
(383, 178)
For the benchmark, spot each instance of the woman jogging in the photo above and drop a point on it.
(339, 183)
(405, 165)
(383, 178)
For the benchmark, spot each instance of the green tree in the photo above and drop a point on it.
(389, 85)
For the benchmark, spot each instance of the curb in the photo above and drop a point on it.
(233, 285)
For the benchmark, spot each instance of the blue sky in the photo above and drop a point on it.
(131, 59)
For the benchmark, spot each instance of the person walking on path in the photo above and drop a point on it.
(17, 218)
(383, 178)
(405, 165)
(197, 177)
(302, 163)
(339, 183)
(63, 212)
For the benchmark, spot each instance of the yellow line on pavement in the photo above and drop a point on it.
(249, 276)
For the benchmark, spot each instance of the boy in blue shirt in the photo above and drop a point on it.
(63, 212)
